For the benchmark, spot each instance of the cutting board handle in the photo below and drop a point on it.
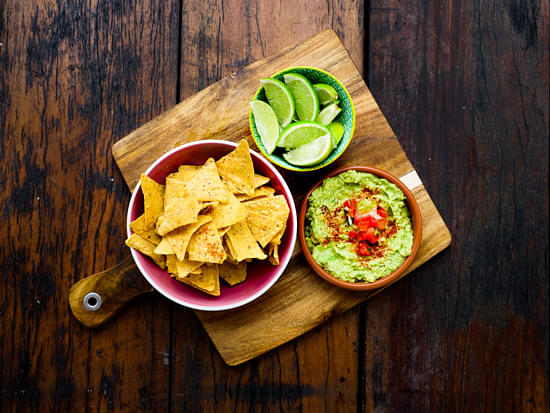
(97, 298)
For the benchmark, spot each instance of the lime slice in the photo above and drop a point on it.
(266, 124)
(311, 153)
(337, 131)
(299, 133)
(280, 99)
(327, 94)
(307, 102)
(328, 114)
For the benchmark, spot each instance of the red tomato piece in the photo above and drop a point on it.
(365, 221)
(371, 235)
(350, 205)
(352, 234)
(370, 219)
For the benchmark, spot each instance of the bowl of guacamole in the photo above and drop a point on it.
(360, 228)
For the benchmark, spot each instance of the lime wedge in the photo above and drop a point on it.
(280, 99)
(299, 133)
(337, 131)
(266, 124)
(327, 94)
(305, 97)
(311, 153)
(328, 114)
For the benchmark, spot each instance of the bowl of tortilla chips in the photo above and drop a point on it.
(211, 225)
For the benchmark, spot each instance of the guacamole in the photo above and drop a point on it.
(358, 226)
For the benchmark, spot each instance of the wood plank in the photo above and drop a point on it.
(250, 331)
(223, 106)
(75, 77)
(465, 87)
(291, 377)
(301, 300)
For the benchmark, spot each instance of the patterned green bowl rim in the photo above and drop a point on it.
(321, 164)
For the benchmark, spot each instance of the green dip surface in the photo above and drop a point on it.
(358, 226)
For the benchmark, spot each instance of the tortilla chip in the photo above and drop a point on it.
(277, 238)
(206, 245)
(186, 267)
(261, 192)
(164, 247)
(206, 222)
(206, 185)
(148, 248)
(153, 200)
(229, 251)
(233, 274)
(179, 238)
(230, 187)
(179, 207)
(207, 281)
(197, 270)
(207, 206)
(263, 227)
(222, 231)
(273, 253)
(138, 226)
(271, 205)
(186, 172)
(260, 180)
(171, 264)
(225, 215)
(273, 247)
(243, 243)
(267, 217)
(237, 168)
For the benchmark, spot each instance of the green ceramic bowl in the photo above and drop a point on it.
(346, 117)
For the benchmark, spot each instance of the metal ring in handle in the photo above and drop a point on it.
(92, 301)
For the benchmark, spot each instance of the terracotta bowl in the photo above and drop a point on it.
(416, 225)
(261, 274)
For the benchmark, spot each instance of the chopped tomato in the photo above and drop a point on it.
(381, 223)
(365, 221)
(371, 235)
(363, 249)
(350, 205)
(363, 225)
(352, 234)
(383, 215)
(362, 236)
(370, 219)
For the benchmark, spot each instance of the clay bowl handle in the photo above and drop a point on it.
(99, 297)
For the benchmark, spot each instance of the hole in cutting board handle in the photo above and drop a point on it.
(97, 298)
(92, 301)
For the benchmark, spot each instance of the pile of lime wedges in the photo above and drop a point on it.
(299, 118)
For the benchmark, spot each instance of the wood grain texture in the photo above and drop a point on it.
(115, 288)
(74, 78)
(465, 87)
(223, 106)
(307, 374)
(300, 300)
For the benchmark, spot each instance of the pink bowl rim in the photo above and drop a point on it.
(282, 265)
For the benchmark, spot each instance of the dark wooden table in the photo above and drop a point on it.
(465, 85)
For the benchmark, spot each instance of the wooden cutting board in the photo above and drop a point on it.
(300, 300)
